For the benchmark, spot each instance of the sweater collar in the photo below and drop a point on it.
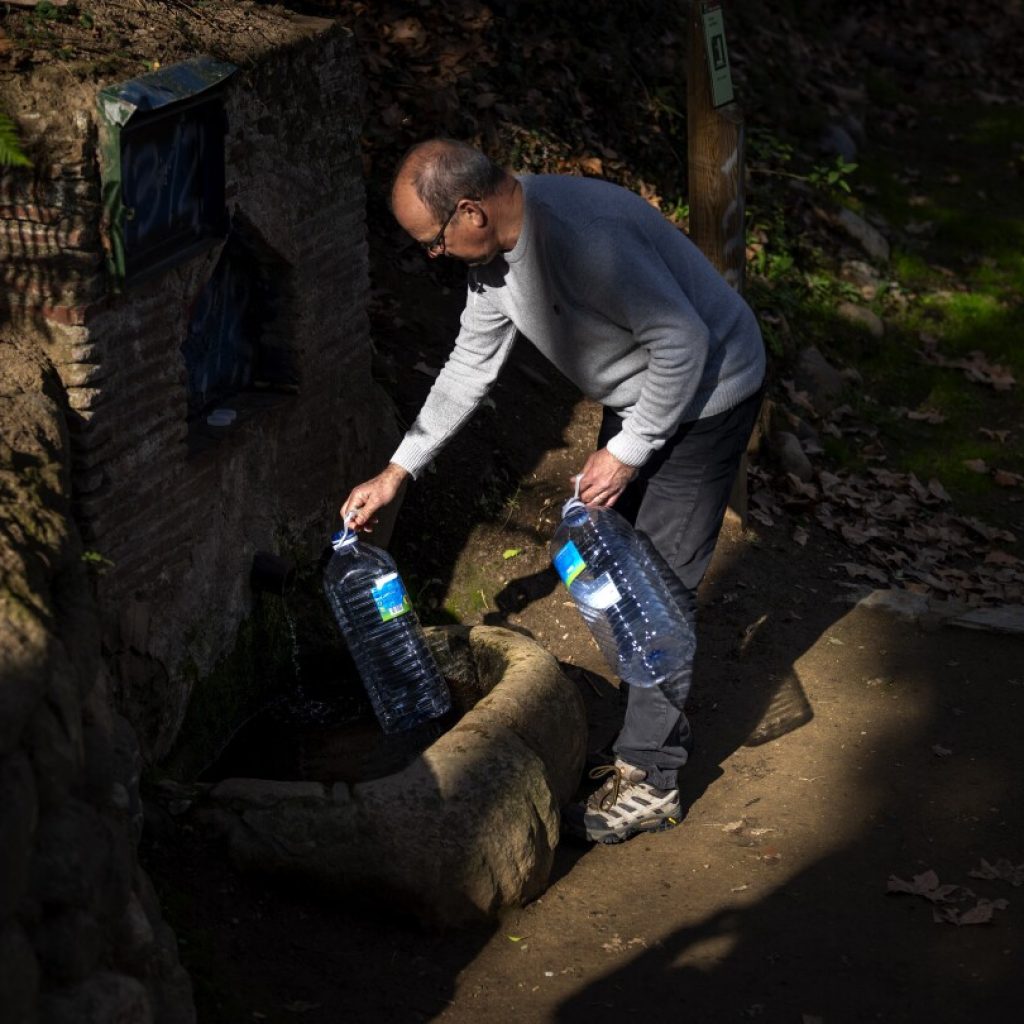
(518, 251)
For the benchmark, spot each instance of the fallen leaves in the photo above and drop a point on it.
(1004, 478)
(975, 366)
(944, 899)
(904, 531)
(1003, 870)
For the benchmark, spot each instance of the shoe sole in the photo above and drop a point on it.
(612, 838)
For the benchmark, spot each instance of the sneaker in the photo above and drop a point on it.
(625, 805)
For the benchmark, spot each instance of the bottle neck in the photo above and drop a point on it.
(574, 512)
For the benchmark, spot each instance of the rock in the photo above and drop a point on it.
(69, 945)
(791, 456)
(862, 276)
(822, 381)
(19, 975)
(904, 603)
(55, 740)
(806, 433)
(861, 316)
(870, 239)
(854, 124)
(105, 998)
(73, 848)
(836, 140)
(19, 812)
(22, 641)
(467, 828)
(267, 792)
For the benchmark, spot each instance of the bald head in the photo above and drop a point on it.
(440, 172)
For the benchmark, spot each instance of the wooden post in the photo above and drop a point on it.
(715, 144)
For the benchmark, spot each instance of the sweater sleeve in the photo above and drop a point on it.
(636, 289)
(483, 345)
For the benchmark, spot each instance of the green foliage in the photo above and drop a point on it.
(11, 154)
(769, 154)
(97, 563)
(46, 11)
(832, 178)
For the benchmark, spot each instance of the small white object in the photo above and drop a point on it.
(221, 417)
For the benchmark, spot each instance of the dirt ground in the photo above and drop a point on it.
(837, 748)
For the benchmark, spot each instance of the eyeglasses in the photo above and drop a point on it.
(436, 246)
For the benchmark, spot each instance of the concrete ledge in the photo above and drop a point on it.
(466, 829)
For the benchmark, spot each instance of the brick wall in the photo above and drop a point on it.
(179, 514)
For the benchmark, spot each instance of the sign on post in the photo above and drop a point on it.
(718, 54)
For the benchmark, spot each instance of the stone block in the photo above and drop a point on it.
(19, 812)
(467, 828)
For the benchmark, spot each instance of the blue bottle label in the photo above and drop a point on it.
(390, 597)
(568, 563)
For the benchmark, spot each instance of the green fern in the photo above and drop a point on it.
(10, 146)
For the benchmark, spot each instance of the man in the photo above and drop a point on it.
(630, 311)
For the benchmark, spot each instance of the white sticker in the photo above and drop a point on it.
(601, 594)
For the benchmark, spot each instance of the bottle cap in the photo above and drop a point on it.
(573, 507)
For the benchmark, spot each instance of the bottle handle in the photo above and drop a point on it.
(346, 519)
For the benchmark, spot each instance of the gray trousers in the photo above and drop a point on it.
(679, 500)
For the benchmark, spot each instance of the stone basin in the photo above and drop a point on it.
(464, 829)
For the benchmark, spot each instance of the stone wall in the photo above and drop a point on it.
(127, 528)
(176, 511)
(81, 934)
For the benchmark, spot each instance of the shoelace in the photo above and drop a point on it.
(614, 783)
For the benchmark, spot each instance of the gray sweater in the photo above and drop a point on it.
(620, 300)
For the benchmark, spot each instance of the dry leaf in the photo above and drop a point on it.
(868, 572)
(1004, 478)
(592, 165)
(1001, 558)
(926, 415)
(1003, 871)
(994, 435)
(980, 914)
(976, 465)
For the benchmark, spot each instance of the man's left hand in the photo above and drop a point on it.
(604, 478)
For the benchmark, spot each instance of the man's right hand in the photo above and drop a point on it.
(368, 497)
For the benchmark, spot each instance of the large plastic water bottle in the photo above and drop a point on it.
(383, 633)
(623, 597)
